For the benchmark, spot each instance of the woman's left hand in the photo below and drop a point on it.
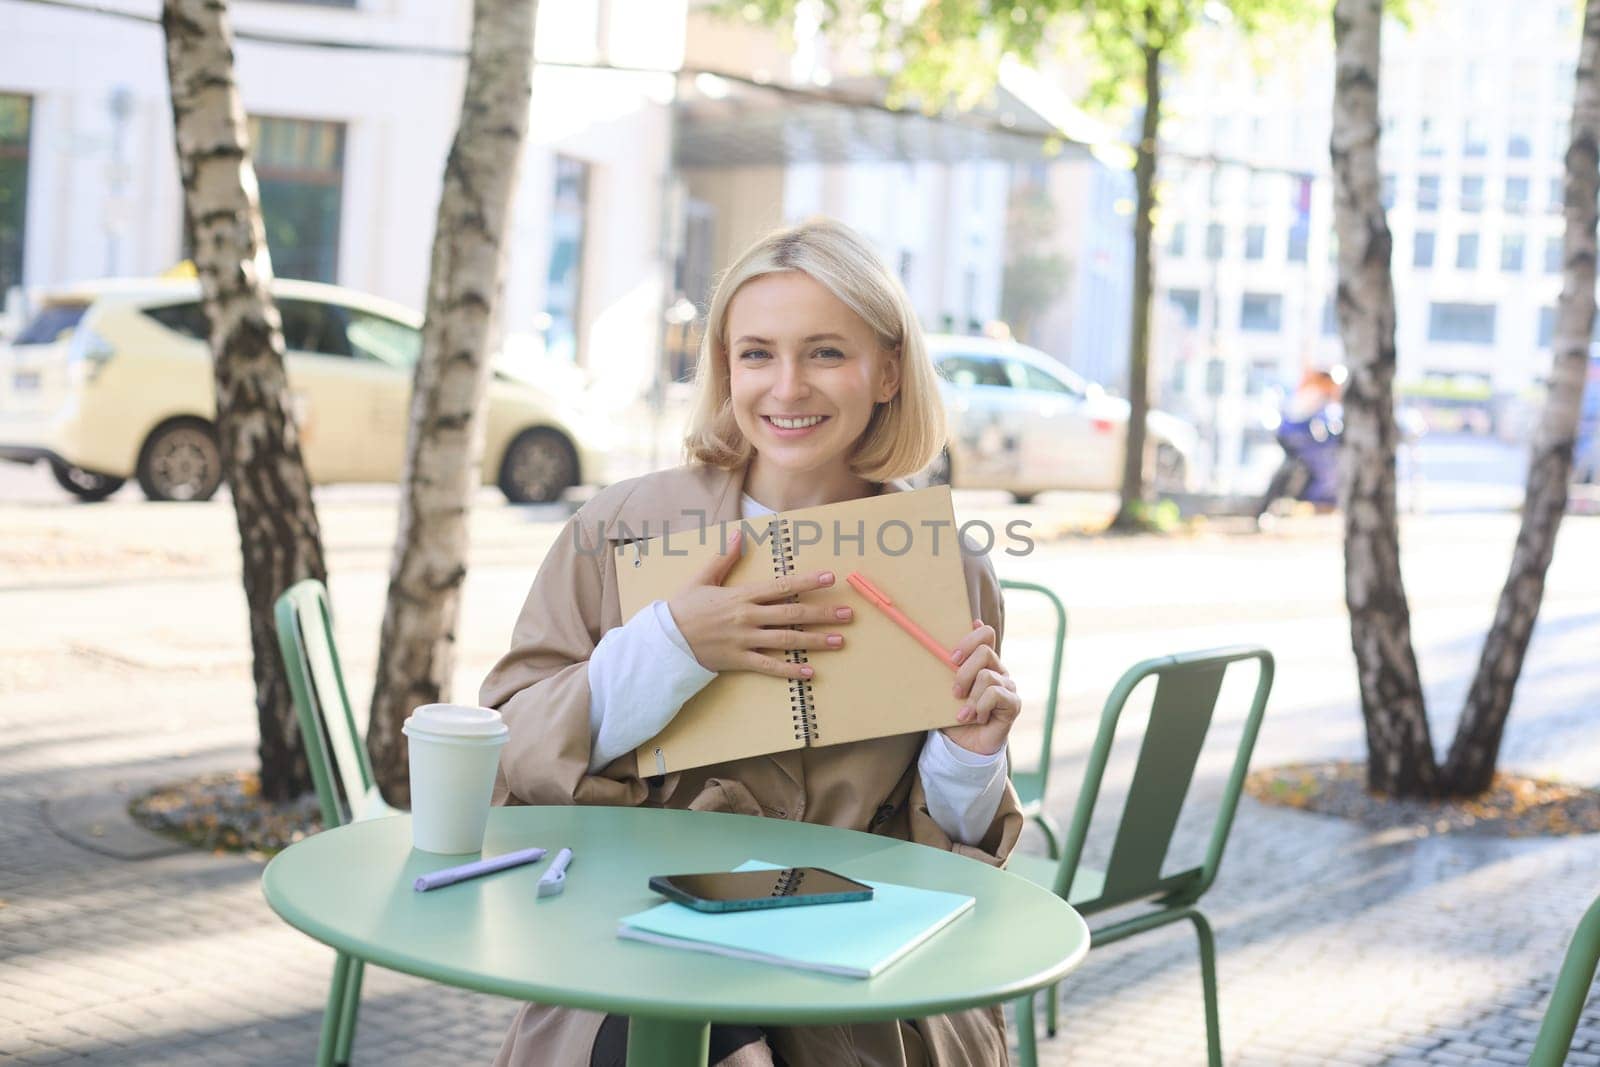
(988, 693)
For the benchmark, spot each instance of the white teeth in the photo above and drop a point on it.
(794, 424)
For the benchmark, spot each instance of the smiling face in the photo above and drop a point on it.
(806, 374)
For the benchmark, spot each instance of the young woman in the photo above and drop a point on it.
(814, 387)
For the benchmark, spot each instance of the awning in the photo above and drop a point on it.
(728, 121)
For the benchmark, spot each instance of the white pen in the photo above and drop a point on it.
(555, 879)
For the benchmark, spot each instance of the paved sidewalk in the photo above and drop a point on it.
(1337, 945)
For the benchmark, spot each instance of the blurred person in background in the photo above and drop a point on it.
(1308, 430)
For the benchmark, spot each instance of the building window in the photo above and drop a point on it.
(1512, 249)
(1547, 328)
(1261, 375)
(1422, 249)
(1386, 191)
(1259, 188)
(1261, 312)
(1563, 72)
(1519, 139)
(1330, 318)
(300, 167)
(1187, 301)
(563, 293)
(1427, 192)
(1214, 236)
(1556, 201)
(1429, 140)
(1472, 193)
(1552, 255)
(1524, 80)
(1474, 138)
(1516, 195)
(16, 114)
(1471, 324)
(1177, 240)
(1472, 87)
(1467, 252)
(1299, 237)
(1255, 242)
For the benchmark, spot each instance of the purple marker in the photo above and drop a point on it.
(451, 875)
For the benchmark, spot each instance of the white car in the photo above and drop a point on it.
(1023, 422)
(113, 380)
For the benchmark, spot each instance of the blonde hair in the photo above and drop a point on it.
(906, 432)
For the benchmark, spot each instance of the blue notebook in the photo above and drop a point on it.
(857, 940)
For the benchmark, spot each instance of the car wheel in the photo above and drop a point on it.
(180, 461)
(939, 471)
(539, 466)
(1170, 472)
(85, 485)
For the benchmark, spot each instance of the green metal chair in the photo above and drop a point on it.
(1572, 989)
(346, 790)
(1030, 785)
(1187, 688)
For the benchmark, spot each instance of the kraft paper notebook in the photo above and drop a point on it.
(881, 682)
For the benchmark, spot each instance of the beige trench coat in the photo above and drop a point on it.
(541, 687)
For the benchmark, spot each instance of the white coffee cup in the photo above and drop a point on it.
(454, 752)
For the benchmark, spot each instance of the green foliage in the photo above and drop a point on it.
(949, 53)
(1444, 389)
(1144, 516)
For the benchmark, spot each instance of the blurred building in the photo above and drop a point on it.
(1476, 104)
(773, 130)
(352, 106)
(996, 219)
(663, 140)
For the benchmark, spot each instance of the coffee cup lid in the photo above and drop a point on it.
(456, 721)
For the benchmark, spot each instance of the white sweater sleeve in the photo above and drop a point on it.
(964, 788)
(640, 674)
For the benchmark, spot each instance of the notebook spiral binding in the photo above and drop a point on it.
(788, 883)
(801, 711)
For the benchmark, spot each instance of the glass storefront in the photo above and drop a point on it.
(15, 120)
(300, 167)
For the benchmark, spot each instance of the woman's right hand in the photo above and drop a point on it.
(747, 627)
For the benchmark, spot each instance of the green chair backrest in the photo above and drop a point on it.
(339, 764)
(1572, 989)
(1043, 773)
(1187, 686)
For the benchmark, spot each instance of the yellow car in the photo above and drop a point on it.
(112, 380)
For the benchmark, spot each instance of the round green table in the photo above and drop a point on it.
(351, 888)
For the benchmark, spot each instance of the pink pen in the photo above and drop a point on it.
(859, 583)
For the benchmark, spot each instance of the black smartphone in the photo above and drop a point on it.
(746, 890)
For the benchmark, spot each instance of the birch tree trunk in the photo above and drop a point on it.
(1471, 763)
(445, 443)
(1129, 511)
(279, 537)
(1400, 759)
